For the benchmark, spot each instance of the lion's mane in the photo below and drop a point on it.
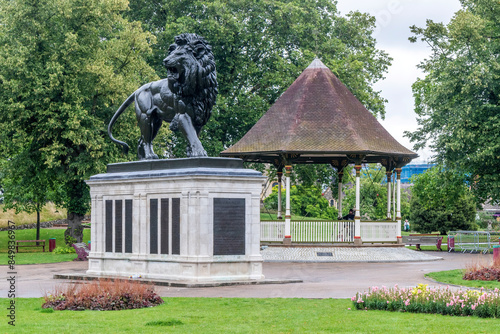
(200, 86)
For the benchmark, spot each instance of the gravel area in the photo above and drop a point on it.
(344, 254)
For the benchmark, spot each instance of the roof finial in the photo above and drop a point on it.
(316, 63)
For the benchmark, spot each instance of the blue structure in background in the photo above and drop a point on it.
(409, 170)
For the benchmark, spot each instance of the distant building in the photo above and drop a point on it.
(413, 169)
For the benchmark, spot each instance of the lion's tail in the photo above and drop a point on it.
(120, 110)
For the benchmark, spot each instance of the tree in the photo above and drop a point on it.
(307, 201)
(26, 186)
(373, 194)
(261, 47)
(457, 102)
(441, 201)
(64, 66)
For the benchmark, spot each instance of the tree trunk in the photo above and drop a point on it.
(74, 232)
(37, 221)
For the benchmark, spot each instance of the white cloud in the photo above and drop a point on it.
(394, 17)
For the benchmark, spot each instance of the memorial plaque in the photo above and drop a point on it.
(118, 226)
(109, 226)
(153, 226)
(164, 226)
(229, 226)
(128, 226)
(176, 226)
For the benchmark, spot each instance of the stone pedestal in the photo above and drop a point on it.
(195, 220)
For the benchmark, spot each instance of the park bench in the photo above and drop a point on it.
(30, 243)
(423, 239)
(82, 251)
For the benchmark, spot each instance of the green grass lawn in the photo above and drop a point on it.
(34, 254)
(238, 315)
(454, 277)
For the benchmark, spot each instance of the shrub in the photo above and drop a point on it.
(101, 295)
(480, 272)
(64, 250)
(421, 299)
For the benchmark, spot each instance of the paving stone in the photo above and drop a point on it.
(344, 254)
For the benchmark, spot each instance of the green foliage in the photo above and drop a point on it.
(64, 67)
(486, 219)
(457, 102)
(306, 201)
(64, 250)
(260, 48)
(373, 195)
(69, 240)
(442, 202)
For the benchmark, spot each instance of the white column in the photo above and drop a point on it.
(280, 175)
(339, 206)
(288, 217)
(398, 204)
(389, 176)
(357, 216)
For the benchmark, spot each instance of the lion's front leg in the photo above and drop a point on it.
(185, 124)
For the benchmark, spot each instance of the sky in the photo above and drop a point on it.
(394, 17)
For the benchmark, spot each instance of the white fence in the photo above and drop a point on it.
(379, 231)
(272, 230)
(328, 231)
(322, 231)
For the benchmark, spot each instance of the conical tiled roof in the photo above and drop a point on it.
(318, 119)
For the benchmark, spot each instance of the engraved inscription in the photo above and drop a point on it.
(164, 226)
(118, 226)
(229, 226)
(109, 226)
(176, 226)
(128, 226)
(153, 226)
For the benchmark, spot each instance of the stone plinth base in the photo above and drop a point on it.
(358, 242)
(194, 220)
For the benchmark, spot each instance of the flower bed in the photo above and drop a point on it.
(103, 295)
(422, 299)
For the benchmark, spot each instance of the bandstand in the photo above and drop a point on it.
(318, 120)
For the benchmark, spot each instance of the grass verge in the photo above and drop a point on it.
(238, 315)
(454, 277)
(49, 213)
(34, 255)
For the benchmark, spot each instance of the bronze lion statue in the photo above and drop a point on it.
(184, 99)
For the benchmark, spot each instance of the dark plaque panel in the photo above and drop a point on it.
(176, 226)
(229, 226)
(118, 226)
(109, 226)
(324, 253)
(153, 226)
(128, 226)
(164, 226)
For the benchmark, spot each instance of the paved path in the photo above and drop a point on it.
(345, 254)
(320, 280)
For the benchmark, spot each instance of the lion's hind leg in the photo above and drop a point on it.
(149, 124)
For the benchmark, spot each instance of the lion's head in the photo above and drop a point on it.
(191, 74)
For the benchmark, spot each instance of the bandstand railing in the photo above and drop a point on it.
(379, 231)
(328, 231)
